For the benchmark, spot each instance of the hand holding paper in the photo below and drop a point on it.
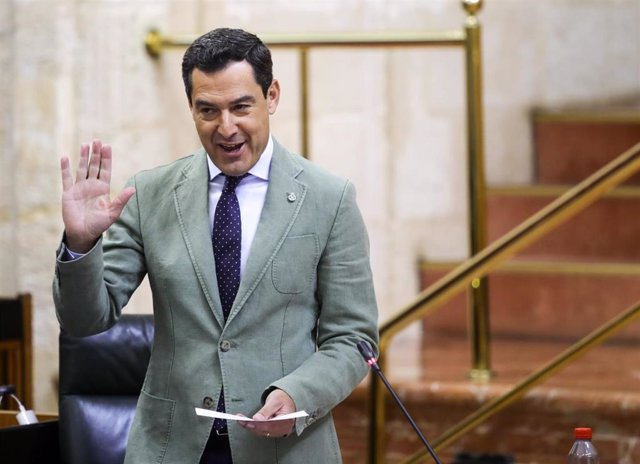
(275, 419)
(238, 417)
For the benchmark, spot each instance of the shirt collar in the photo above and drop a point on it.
(260, 169)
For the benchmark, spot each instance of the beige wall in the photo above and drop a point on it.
(8, 278)
(392, 121)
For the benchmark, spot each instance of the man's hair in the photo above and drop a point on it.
(216, 49)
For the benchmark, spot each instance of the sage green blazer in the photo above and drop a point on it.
(305, 299)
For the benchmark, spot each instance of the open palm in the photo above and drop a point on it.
(87, 209)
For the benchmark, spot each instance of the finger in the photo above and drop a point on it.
(262, 415)
(278, 402)
(83, 163)
(270, 408)
(245, 424)
(94, 164)
(117, 205)
(275, 429)
(241, 415)
(270, 429)
(241, 422)
(67, 180)
(105, 164)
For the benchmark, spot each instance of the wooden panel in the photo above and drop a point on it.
(607, 230)
(8, 418)
(569, 151)
(16, 366)
(545, 305)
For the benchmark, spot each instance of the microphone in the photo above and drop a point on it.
(24, 416)
(367, 353)
(370, 358)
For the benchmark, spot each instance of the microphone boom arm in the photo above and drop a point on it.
(369, 357)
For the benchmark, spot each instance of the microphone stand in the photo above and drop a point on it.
(369, 357)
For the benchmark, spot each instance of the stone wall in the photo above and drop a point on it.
(391, 120)
(8, 277)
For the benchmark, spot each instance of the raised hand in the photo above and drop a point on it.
(87, 209)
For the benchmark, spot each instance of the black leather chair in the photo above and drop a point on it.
(100, 379)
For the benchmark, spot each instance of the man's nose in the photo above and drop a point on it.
(227, 127)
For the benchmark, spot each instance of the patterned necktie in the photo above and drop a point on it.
(227, 240)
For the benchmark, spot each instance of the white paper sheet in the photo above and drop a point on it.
(222, 415)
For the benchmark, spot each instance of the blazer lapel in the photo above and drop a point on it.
(191, 196)
(285, 196)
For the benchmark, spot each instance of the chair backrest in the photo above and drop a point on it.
(100, 379)
(16, 367)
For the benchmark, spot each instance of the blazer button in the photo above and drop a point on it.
(207, 402)
(225, 345)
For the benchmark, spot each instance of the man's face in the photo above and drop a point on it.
(232, 115)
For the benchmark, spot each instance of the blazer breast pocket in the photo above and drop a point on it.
(294, 267)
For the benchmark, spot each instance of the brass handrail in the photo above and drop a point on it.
(574, 200)
(156, 42)
(576, 350)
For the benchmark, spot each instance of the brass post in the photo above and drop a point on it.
(304, 101)
(479, 291)
(153, 43)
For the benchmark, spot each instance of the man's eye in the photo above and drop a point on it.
(207, 113)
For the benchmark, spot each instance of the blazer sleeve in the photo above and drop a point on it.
(348, 314)
(90, 292)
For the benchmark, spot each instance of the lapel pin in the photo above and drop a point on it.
(291, 197)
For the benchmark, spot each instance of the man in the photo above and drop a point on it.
(259, 268)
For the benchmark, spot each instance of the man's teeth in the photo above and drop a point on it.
(233, 147)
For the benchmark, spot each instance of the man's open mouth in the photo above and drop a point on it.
(231, 147)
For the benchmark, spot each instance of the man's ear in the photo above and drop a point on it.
(273, 96)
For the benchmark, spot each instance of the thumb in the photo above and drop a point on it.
(278, 402)
(267, 412)
(118, 203)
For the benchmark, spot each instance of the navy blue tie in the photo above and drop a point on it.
(227, 240)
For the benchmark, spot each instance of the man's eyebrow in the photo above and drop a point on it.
(244, 99)
(200, 103)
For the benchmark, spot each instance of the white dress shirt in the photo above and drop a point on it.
(251, 193)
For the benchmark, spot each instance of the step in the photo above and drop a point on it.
(608, 229)
(592, 392)
(571, 144)
(546, 300)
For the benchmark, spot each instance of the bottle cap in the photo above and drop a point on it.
(582, 433)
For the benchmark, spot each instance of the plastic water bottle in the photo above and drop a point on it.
(583, 451)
